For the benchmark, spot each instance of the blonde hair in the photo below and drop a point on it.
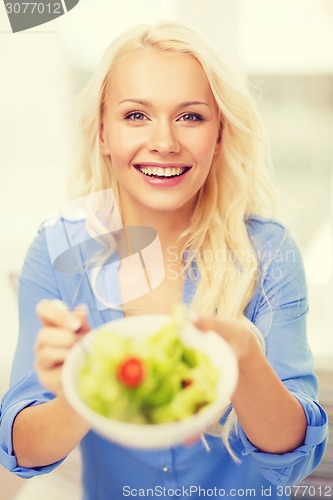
(237, 186)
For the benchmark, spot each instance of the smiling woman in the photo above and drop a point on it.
(174, 136)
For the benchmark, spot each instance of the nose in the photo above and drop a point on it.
(163, 138)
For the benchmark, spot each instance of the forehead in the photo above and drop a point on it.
(150, 73)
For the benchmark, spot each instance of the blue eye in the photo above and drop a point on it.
(135, 116)
(192, 117)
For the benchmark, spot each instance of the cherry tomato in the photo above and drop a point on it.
(131, 372)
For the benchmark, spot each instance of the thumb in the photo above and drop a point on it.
(205, 323)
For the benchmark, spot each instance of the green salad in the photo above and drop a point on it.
(150, 380)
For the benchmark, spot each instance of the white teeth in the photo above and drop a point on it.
(162, 172)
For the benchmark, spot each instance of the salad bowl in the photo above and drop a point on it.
(153, 435)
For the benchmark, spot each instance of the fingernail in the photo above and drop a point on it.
(73, 323)
(60, 304)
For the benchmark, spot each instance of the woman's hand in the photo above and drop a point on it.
(238, 334)
(60, 331)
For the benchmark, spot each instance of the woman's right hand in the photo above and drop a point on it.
(61, 328)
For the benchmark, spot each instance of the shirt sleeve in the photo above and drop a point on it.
(37, 281)
(279, 311)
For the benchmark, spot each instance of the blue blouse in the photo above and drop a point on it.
(278, 309)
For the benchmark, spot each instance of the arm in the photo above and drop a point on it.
(282, 427)
(270, 415)
(46, 433)
(29, 409)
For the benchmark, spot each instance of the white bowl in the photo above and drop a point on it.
(154, 436)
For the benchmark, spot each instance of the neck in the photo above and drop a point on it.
(168, 225)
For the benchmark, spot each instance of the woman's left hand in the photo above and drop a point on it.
(237, 333)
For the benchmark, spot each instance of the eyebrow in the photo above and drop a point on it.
(147, 104)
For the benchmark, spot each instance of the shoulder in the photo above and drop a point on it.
(281, 276)
(272, 241)
(55, 235)
(265, 232)
(73, 221)
(63, 232)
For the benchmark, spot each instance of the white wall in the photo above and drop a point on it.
(102, 20)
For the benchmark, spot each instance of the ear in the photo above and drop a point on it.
(102, 141)
(219, 141)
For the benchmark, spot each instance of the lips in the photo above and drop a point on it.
(160, 172)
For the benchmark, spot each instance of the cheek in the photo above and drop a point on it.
(203, 146)
(123, 145)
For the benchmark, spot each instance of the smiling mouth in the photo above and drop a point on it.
(161, 172)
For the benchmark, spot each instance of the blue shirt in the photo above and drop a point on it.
(278, 308)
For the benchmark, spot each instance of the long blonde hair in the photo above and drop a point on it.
(238, 184)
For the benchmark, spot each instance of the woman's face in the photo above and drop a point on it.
(160, 129)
